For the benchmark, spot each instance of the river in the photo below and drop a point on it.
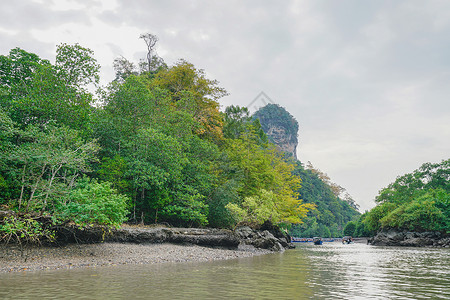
(329, 271)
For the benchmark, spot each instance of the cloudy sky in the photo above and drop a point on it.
(368, 81)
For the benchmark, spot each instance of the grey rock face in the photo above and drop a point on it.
(284, 141)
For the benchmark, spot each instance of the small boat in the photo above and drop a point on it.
(347, 240)
(317, 240)
(299, 240)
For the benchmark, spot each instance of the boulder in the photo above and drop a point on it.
(262, 239)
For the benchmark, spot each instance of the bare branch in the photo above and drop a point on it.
(150, 40)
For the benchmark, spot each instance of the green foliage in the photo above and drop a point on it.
(16, 73)
(224, 194)
(24, 231)
(161, 146)
(6, 125)
(262, 168)
(409, 186)
(373, 218)
(165, 158)
(417, 201)
(187, 208)
(76, 65)
(350, 228)
(184, 79)
(429, 212)
(93, 203)
(37, 91)
(361, 229)
(239, 124)
(331, 211)
(49, 160)
(6, 146)
(113, 170)
(256, 209)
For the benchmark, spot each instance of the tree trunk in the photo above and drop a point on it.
(50, 186)
(23, 186)
(33, 190)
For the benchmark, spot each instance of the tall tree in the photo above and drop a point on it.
(39, 92)
(150, 40)
(191, 91)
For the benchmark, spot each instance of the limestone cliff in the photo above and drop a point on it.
(280, 126)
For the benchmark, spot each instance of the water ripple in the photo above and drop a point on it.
(333, 270)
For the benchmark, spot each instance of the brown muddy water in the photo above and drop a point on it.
(329, 271)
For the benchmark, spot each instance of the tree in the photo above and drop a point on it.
(16, 73)
(38, 92)
(264, 170)
(49, 161)
(415, 201)
(123, 68)
(429, 212)
(350, 228)
(190, 90)
(8, 181)
(150, 40)
(76, 66)
(237, 121)
(407, 187)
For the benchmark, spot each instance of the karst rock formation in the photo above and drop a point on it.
(280, 126)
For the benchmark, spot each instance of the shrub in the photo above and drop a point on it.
(24, 231)
(422, 214)
(94, 203)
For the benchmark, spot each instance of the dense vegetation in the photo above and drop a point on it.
(332, 210)
(417, 201)
(151, 147)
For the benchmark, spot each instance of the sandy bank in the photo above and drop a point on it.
(91, 255)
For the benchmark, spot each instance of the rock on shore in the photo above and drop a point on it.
(98, 246)
(268, 237)
(394, 237)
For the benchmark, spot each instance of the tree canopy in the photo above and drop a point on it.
(155, 147)
(417, 201)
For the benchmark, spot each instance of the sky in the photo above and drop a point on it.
(367, 81)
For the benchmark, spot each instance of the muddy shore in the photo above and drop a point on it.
(102, 254)
(96, 246)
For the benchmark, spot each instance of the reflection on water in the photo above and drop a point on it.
(333, 270)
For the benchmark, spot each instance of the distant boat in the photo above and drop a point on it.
(317, 240)
(347, 240)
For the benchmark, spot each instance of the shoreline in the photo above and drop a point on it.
(109, 253)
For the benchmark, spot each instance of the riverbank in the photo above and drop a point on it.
(395, 237)
(99, 246)
(103, 254)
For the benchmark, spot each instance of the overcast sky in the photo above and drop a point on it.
(368, 81)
